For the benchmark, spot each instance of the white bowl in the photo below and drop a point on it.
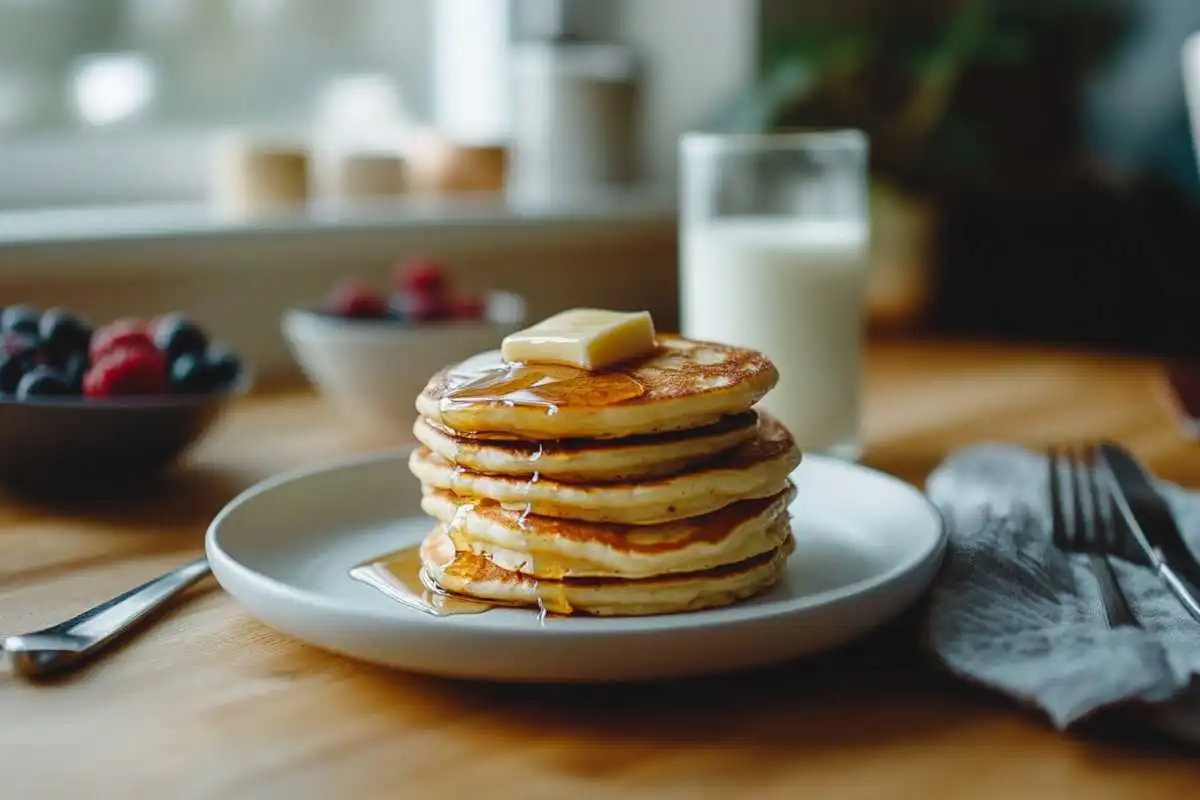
(373, 370)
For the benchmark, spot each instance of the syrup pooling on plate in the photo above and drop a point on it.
(402, 577)
(487, 379)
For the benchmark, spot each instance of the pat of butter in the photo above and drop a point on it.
(587, 338)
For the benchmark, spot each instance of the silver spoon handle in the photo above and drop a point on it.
(73, 643)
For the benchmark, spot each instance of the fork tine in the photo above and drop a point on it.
(1083, 525)
(1098, 539)
(1114, 536)
(1057, 522)
(1101, 534)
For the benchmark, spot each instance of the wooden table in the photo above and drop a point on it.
(211, 704)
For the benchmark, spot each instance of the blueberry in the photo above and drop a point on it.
(74, 369)
(15, 342)
(20, 319)
(14, 363)
(42, 382)
(223, 366)
(177, 335)
(63, 335)
(190, 373)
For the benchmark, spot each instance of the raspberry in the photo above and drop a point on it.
(124, 334)
(357, 300)
(420, 307)
(126, 371)
(471, 308)
(422, 276)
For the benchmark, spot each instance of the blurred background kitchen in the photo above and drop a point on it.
(1034, 177)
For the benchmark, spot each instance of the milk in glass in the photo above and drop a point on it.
(793, 289)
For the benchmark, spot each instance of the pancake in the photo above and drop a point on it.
(588, 460)
(545, 547)
(684, 384)
(758, 468)
(474, 576)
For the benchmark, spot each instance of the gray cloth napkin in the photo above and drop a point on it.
(1012, 613)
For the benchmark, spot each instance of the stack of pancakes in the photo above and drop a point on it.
(649, 488)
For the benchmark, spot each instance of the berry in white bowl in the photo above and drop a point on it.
(371, 353)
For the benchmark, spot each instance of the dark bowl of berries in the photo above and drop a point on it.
(82, 404)
(370, 353)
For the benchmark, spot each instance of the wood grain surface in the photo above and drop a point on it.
(211, 704)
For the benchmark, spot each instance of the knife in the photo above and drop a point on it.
(1152, 524)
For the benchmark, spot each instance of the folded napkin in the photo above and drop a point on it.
(1012, 613)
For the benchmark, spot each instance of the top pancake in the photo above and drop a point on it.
(684, 384)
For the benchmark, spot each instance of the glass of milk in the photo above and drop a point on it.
(775, 240)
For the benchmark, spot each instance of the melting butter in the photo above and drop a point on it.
(587, 338)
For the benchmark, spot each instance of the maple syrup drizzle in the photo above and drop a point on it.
(488, 379)
(402, 577)
(548, 573)
(479, 381)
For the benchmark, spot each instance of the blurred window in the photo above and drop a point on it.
(111, 101)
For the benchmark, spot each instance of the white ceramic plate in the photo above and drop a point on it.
(867, 546)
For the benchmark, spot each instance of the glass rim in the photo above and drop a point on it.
(709, 142)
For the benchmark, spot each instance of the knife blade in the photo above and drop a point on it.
(1151, 510)
(1151, 521)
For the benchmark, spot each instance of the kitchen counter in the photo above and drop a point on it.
(187, 222)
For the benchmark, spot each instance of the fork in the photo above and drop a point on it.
(1082, 522)
(1085, 524)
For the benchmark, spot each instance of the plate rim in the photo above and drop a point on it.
(221, 561)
